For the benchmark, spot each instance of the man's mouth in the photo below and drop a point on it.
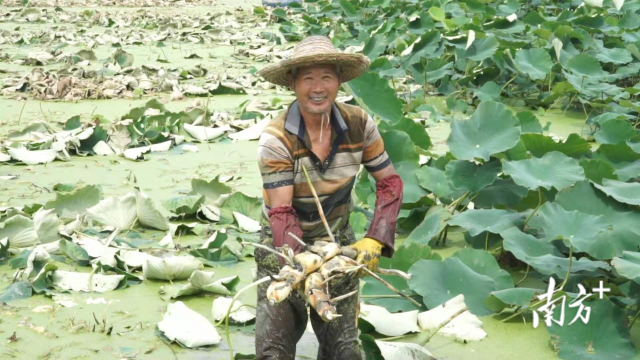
(318, 99)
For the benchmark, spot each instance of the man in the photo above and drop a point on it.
(331, 140)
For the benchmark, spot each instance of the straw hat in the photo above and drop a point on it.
(316, 50)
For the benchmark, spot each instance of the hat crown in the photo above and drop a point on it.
(314, 45)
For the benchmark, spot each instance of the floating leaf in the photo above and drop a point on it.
(387, 323)
(187, 205)
(76, 202)
(434, 180)
(170, 268)
(19, 230)
(123, 58)
(147, 213)
(119, 212)
(501, 299)
(211, 189)
(491, 129)
(187, 327)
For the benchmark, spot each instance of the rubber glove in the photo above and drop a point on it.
(385, 215)
(369, 251)
(283, 220)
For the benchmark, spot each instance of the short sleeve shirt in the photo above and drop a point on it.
(284, 147)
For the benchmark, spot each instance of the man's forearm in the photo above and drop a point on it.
(385, 216)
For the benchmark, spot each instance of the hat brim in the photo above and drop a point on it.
(351, 66)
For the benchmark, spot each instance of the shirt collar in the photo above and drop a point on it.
(295, 125)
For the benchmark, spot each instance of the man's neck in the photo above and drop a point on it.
(313, 121)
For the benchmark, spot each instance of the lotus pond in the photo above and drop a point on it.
(129, 182)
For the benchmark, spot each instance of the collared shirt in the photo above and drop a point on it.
(284, 147)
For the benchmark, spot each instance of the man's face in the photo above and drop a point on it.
(316, 88)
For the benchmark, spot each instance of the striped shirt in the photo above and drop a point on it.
(284, 146)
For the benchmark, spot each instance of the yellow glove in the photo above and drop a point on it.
(368, 252)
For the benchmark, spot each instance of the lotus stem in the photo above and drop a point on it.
(633, 321)
(534, 210)
(297, 239)
(384, 282)
(342, 297)
(525, 276)
(318, 204)
(112, 236)
(569, 268)
(394, 272)
(226, 318)
(444, 324)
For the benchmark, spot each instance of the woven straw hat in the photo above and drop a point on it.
(316, 50)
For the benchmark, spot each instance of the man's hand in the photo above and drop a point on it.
(369, 251)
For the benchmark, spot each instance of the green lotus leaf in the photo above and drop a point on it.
(243, 204)
(434, 180)
(404, 157)
(426, 48)
(406, 255)
(467, 176)
(491, 129)
(481, 49)
(604, 336)
(187, 205)
(534, 62)
(440, 281)
(628, 265)
(123, 58)
(616, 56)
(625, 234)
(575, 227)
(70, 204)
(617, 153)
(554, 169)
(20, 230)
(433, 223)
(529, 123)
(596, 170)
(502, 193)
(585, 65)
(627, 171)
(348, 8)
(614, 131)
(628, 193)
(211, 189)
(416, 131)
(538, 145)
(545, 258)
(374, 93)
(488, 91)
(501, 299)
(491, 220)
